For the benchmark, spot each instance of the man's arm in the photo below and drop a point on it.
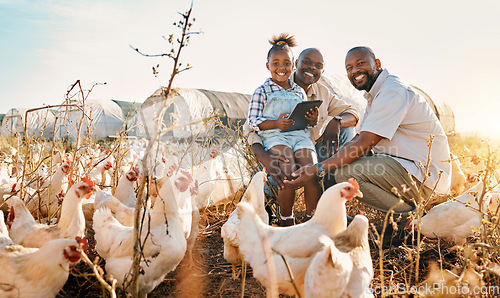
(348, 119)
(359, 146)
(331, 135)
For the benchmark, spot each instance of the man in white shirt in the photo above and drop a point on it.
(396, 127)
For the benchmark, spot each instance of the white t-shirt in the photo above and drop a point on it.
(406, 122)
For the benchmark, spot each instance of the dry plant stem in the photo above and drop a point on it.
(79, 127)
(421, 203)
(95, 268)
(167, 94)
(427, 165)
(290, 274)
(380, 243)
(243, 277)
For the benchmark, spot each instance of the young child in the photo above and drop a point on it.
(269, 106)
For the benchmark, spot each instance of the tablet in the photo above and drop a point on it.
(298, 114)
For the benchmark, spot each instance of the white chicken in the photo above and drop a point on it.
(24, 270)
(297, 244)
(164, 248)
(189, 214)
(354, 241)
(4, 232)
(4, 172)
(219, 179)
(37, 272)
(343, 268)
(57, 156)
(125, 191)
(329, 272)
(100, 173)
(124, 214)
(254, 195)
(7, 189)
(27, 232)
(453, 220)
(45, 203)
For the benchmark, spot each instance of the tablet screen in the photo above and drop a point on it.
(298, 114)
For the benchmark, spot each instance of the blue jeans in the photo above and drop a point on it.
(346, 134)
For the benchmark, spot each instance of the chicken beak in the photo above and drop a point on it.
(358, 194)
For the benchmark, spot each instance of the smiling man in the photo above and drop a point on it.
(392, 141)
(336, 118)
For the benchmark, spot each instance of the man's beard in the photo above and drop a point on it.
(370, 80)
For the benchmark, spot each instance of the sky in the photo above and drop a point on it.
(449, 49)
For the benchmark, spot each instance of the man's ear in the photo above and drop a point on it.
(267, 66)
(379, 65)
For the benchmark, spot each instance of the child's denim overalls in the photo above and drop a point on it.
(283, 102)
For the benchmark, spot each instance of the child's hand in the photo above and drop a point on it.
(283, 123)
(312, 116)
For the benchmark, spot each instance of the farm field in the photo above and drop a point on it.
(474, 265)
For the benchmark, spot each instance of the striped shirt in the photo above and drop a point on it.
(259, 100)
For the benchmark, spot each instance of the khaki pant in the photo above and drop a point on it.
(377, 175)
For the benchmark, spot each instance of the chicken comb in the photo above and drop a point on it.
(83, 243)
(14, 187)
(12, 215)
(354, 183)
(187, 174)
(136, 170)
(409, 226)
(214, 153)
(89, 181)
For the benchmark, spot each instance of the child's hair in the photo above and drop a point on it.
(282, 42)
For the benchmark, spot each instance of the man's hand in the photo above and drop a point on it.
(272, 163)
(304, 175)
(283, 123)
(330, 137)
(312, 116)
